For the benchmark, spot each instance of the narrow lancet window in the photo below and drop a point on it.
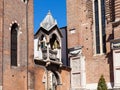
(100, 34)
(97, 27)
(14, 30)
(103, 25)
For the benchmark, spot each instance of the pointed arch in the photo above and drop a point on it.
(58, 77)
(54, 42)
(42, 41)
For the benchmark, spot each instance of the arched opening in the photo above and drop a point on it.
(54, 80)
(42, 47)
(54, 43)
(14, 30)
(42, 42)
(58, 78)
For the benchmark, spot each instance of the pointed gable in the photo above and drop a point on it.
(48, 22)
(48, 26)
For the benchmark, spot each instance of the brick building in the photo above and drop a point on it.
(19, 70)
(19, 67)
(16, 43)
(93, 28)
(91, 37)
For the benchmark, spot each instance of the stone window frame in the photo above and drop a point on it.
(18, 42)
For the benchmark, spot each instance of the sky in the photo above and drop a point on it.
(56, 7)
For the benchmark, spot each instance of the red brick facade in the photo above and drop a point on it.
(28, 75)
(15, 11)
(1, 29)
(77, 18)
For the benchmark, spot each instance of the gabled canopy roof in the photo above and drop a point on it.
(48, 22)
(48, 25)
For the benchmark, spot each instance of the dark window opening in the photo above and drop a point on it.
(54, 43)
(103, 25)
(42, 42)
(14, 30)
(97, 27)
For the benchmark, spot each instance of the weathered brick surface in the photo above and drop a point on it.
(1, 10)
(15, 78)
(40, 80)
(65, 76)
(27, 75)
(1, 29)
(116, 32)
(30, 34)
(96, 65)
(39, 73)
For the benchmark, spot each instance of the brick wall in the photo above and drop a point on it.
(1, 29)
(15, 78)
(30, 34)
(73, 11)
(39, 73)
(96, 65)
(65, 76)
(116, 32)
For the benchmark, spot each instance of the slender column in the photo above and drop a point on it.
(48, 43)
(47, 51)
